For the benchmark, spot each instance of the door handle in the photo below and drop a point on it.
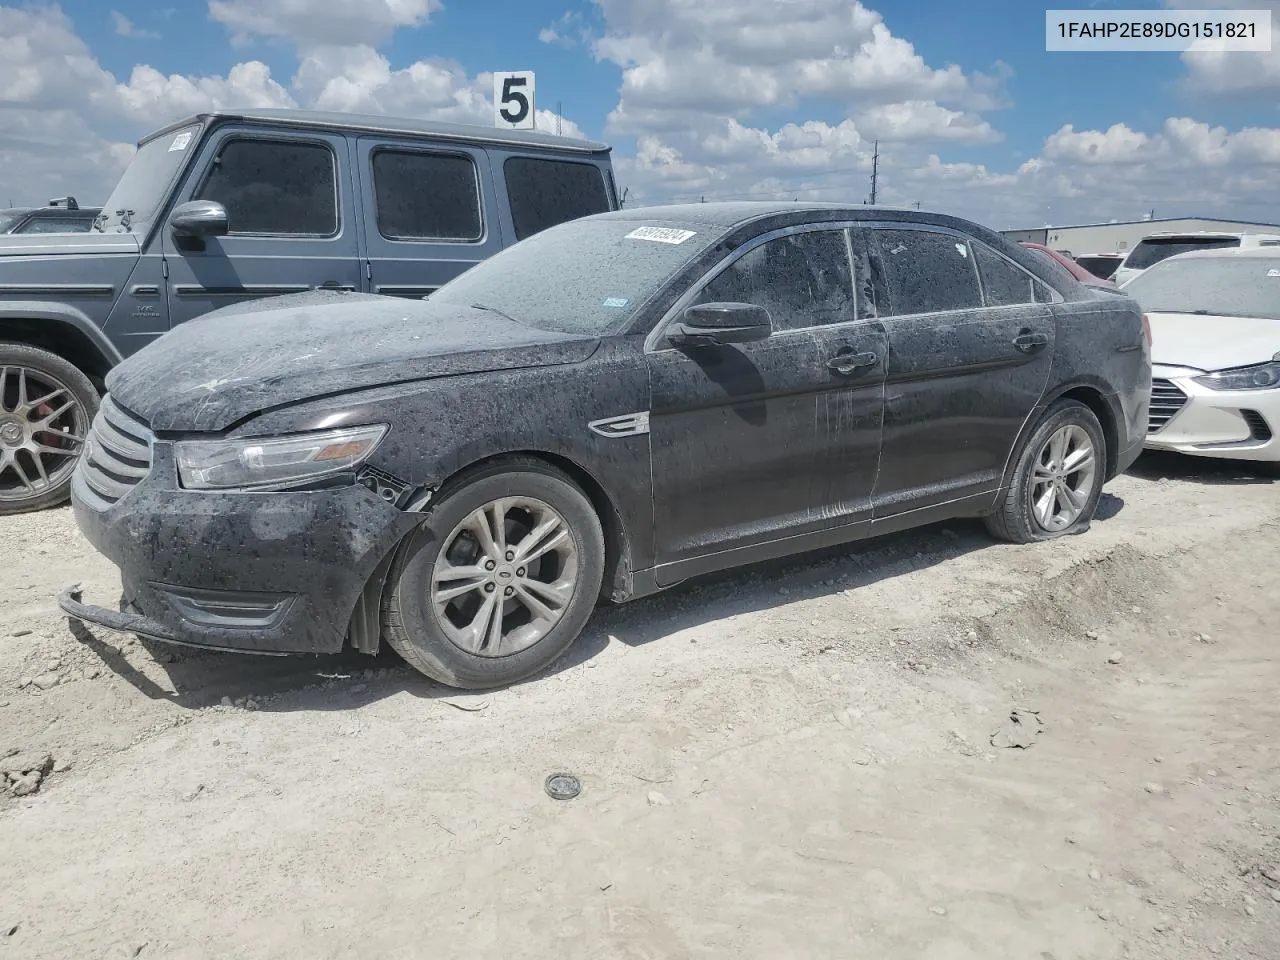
(1026, 341)
(850, 363)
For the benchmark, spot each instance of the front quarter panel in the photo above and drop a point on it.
(440, 427)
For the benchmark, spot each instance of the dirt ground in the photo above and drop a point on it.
(793, 761)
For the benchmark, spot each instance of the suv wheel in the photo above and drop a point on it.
(500, 579)
(1058, 478)
(46, 408)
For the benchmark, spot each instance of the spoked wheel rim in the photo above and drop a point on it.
(504, 577)
(1062, 483)
(42, 432)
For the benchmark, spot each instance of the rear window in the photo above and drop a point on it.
(544, 193)
(1102, 267)
(1154, 249)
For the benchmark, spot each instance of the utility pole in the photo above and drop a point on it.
(875, 172)
(559, 117)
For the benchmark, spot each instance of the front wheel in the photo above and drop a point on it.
(1058, 479)
(500, 579)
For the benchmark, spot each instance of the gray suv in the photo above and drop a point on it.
(228, 207)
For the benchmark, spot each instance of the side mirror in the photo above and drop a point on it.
(716, 323)
(199, 218)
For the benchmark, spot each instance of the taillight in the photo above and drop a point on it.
(1146, 328)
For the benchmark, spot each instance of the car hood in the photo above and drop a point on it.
(1212, 343)
(214, 371)
(65, 244)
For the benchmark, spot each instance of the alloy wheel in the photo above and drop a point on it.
(505, 577)
(1062, 482)
(42, 432)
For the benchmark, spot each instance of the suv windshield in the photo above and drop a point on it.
(1152, 250)
(586, 276)
(1218, 286)
(146, 180)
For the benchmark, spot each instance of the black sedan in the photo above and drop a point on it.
(604, 410)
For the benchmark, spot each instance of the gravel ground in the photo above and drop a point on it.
(795, 760)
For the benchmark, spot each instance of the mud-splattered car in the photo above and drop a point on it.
(604, 410)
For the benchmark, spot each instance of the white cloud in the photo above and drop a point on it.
(124, 27)
(1216, 73)
(318, 22)
(925, 120)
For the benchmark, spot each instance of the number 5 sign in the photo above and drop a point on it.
(513, 105)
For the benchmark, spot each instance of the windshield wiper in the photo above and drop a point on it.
(489, 309)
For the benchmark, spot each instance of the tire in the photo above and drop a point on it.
(26, 374)
(1016, 518)
(444, 642)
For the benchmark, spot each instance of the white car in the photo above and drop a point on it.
(1215, 352)
(1160, 246)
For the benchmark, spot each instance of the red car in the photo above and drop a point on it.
(1077, 271)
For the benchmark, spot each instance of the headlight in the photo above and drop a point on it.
(271, 461)
(1258, 377)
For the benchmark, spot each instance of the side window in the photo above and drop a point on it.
(426, 196)
(925, 272)
(275, 187)
(1042, 292)
(54, 225)
(803, 280)
(544, 193)
(1004, 284)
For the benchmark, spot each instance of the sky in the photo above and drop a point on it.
(714, 99)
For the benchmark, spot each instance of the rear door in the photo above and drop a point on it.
(291, 223)
(429, 213)
(966, 366)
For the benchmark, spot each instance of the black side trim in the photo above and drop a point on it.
(248, 290)
(57, 290)
(404, 291)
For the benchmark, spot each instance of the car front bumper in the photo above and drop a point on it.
(260, 572)
(1231, 424)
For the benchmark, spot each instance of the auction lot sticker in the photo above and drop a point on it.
(661, 234)
(1168, 30)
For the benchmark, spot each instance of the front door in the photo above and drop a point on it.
(966, 368)
(291, 222)
(430, 214)
(741, 433)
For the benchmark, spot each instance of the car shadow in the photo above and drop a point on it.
(348, 680)
(1166, 465)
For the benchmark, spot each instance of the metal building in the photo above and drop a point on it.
(1120, 236)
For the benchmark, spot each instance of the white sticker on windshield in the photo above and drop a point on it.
(1273, 272)
(180, 142)
(964, 250)
(660, 234)
(616, 302)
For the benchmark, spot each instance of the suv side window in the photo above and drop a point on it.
(925, 272)
(275, 187)
(54, 225)
(544, 193)
(426, 196)
(803, 280)
(1004, 284)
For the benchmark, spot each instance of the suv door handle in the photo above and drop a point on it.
(846, 364)
(1026, 341)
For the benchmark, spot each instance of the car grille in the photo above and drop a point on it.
(118, 454)
(1166, 401)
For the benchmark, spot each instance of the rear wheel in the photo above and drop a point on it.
(46, 408)
(500, 579)
(1058, 479)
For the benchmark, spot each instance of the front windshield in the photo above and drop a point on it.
(1220, 287)
(7, 222)
(584, 277)
(145, 182)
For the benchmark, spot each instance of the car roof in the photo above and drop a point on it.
(732, 213)
(1208, 234)
(1233, 253)
(380, 124)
